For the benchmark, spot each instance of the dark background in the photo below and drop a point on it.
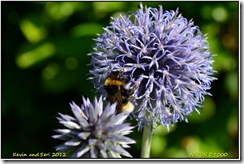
(44, 67)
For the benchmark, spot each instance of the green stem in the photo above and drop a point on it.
(146, 141)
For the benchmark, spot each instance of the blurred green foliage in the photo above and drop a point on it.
(44, 67)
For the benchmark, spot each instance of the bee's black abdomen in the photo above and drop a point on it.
(111, 89)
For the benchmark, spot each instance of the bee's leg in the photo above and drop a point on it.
(133, 88)
(131, 98)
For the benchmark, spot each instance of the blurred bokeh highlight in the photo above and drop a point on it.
(44, 67)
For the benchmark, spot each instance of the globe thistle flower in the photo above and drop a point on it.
(94, 132)
(164, 54)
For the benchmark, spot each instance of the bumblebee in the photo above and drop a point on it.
(114, 85)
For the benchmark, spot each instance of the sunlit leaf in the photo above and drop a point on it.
(38, 54)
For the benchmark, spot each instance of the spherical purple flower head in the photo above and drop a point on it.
(163, 53)
(94, 132)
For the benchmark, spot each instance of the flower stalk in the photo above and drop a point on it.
(146, 141)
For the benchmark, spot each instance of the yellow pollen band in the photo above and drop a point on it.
(129, 107)
(109, 81)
